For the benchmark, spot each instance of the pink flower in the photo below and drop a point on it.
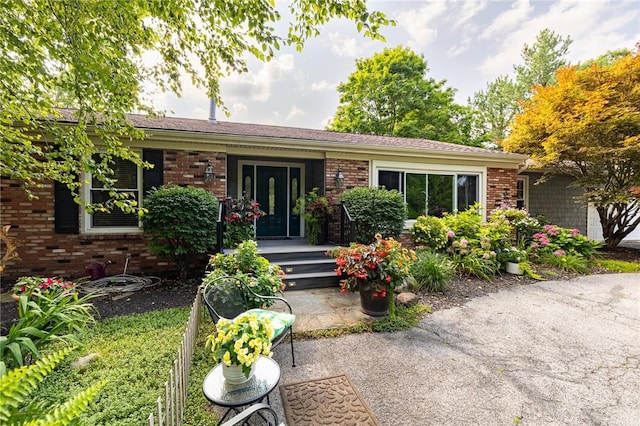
(559, 253)
(464, 243)
(575, 232)
(451, 234)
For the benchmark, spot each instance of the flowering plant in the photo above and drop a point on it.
(241, 341)
(380, 266)
(50, 285)
(239, 220)
(315, 209)
(264, 277)
(512, 255)
(553, 237)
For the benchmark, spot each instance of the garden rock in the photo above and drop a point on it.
(83, 361)
(407, 299)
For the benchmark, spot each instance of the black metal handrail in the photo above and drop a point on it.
(222, 212)
(347, 226)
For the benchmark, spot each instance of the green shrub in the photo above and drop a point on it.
(432, 271)
(377, 211)
(523, 225)
(256, 271)
(464, 224)
(567, 262)
(44, 317)
(180, 223)
(429, 231)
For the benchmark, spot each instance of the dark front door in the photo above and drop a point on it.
(271, 193)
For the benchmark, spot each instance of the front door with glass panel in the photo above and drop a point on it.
(276, 189)
(271, 193)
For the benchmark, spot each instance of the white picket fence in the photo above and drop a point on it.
(177, 387)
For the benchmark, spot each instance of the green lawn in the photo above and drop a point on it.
(135, 354)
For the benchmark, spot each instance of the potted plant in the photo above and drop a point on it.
(240, 220)
(315, 210)
(374, 270)
(264, 277)
(512, 258)
(238, 343)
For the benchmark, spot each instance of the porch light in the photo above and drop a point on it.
(208, 173)
(339, 178)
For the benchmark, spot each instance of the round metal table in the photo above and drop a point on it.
(265, 378)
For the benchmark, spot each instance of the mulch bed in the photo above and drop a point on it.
(172, 293)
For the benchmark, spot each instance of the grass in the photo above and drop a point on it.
(617, 265)
(404, 318)
(135, 354)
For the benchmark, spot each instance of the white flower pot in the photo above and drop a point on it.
(514, 268)
(233, 374)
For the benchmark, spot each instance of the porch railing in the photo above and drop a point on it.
(222, 212)
(347, 226)
(171, 413)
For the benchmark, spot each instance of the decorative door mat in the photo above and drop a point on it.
(327, 401)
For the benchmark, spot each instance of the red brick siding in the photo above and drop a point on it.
(501, 183)
(356, 174)
(45, 253)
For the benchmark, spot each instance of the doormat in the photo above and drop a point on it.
(327, 401)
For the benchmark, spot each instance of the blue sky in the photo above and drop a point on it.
(467, 43)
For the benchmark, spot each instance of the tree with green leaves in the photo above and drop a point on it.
(541, 61)
(389, 94)
(497, 104)
(588, 126)
(101, 58)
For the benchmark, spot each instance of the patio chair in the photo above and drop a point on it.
(261, 413)
(227, 297)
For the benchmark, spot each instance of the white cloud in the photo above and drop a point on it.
(322, 85)
(469, 9)
(295, 113)
(239, 108)
(420, 23)
(582, 21)
(508, 19)
(343, 46)
(459, 48)
(257, 86)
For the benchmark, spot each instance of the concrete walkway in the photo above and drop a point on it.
(551, 353)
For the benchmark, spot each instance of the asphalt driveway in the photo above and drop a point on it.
(565, 353)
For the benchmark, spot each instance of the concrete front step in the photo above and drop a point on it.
(311, 280)
(308, 265)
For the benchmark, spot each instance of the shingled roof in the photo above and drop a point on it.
(282, 133)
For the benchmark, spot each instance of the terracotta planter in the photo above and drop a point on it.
(375, 306)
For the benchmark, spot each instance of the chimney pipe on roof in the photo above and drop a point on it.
(212, 111)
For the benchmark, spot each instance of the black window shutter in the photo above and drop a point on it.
(67, 219)
(152, 177)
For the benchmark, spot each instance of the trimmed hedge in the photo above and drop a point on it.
(377, 211)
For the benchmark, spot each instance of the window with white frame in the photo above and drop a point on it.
(432, 193)
(521, 194)
(128, 179)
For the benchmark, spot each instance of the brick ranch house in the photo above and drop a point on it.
(273, 164)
